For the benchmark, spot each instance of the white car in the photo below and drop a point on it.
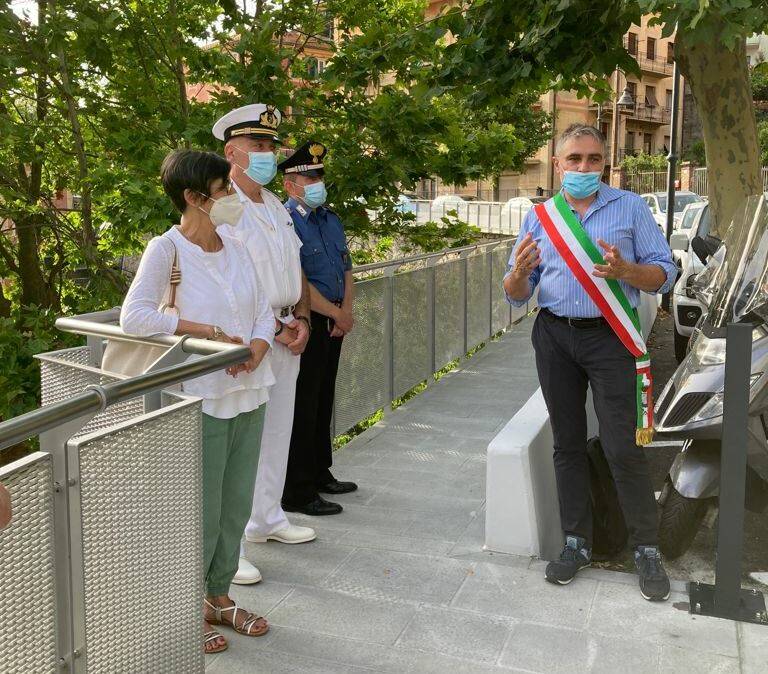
(688, 219)
(686, 309)
(657, 202)
(514, 211)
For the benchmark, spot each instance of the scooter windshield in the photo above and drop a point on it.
(734, 282)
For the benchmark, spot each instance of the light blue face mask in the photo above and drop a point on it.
(315, 194)
(262, 167)
(581, 185)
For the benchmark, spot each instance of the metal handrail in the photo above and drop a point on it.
(374, 266)
(215, 356)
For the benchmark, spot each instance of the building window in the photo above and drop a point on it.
(670, 52)
(669, 99)
(650, 48)
(632, 43)
(632, 86)
(666, 144)
(650, 97)
(647, 143)
(315, 67)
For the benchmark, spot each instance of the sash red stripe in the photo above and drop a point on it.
(586, 281)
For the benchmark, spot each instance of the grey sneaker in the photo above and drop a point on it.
(575, 556)
(654, 583)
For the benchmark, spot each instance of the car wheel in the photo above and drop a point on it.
(681, 346)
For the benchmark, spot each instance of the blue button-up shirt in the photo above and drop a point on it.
(324, 253)
(618, 217)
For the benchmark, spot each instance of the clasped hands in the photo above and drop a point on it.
(528, 257)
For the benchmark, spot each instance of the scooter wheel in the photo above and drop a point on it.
(681, 518)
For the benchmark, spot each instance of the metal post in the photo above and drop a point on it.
(726, 599)
(95, 349)
(672, 163)
(431, 313)
(389, 335)
(464, 304)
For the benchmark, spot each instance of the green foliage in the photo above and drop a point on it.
(94, 95)
(762, 135)
(759, 79)
(644, 162)
(696, 153)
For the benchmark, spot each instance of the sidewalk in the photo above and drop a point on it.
(399, 583)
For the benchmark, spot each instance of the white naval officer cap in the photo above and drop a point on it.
(258, 120)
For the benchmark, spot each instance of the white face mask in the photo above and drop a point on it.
(226, 211)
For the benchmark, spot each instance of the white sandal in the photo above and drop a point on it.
(209, 637)
(244, 628)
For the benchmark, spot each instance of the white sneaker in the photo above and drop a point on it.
(292, 534)
(247, 573)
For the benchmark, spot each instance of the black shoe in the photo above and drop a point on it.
(336, 487)
(654, 583)
(575, 556)
(317, 507)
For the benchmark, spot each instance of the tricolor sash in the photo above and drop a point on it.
(581, 255)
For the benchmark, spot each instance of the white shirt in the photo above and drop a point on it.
(219, 288)
(267, 232)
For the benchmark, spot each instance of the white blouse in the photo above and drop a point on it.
(219, 288)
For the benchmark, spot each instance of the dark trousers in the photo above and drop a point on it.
(567, 359)
(310, 456)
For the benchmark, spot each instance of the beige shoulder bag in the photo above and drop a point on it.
(132, 358)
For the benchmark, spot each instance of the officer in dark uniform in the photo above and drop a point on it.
(328, 268)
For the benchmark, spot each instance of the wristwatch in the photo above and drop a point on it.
(217, 334)
(307, 321)
(280, 329)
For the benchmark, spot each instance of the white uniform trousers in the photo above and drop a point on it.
(267, 514)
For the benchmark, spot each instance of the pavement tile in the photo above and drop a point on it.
(754, 648)
(361, 518)
(306, 564)
(557, 650)
(442, 525)
(683, 660)
(385, 574)
(524, 594)
(262, 597)
(619, 609)
(456, 633)
(336, 614)
(425, 546)
(245, 661)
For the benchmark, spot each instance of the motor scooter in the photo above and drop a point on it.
(734, 287)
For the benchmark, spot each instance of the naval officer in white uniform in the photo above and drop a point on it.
(250, 134)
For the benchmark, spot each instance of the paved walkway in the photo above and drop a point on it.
(399, 582)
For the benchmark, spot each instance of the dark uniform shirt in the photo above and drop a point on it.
(324, 253)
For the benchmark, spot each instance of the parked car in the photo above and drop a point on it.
(689, 218)
(405, 205)
(514, 211)
(686, 309)
(447, 202)
(657, 202)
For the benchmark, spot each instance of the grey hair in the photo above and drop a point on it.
(576, 131)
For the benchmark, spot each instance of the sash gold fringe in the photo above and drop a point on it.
(644, 436)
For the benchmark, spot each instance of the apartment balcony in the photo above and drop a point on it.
(656, 64)
(654, 114)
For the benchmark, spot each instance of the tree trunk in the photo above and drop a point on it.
(719, 81)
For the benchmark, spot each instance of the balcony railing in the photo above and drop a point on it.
(650, 113)
(656, 63)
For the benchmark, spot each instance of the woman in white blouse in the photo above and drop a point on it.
(219, 297)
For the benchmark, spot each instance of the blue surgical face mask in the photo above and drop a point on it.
(581, 185)
(262, 167)
(315, 194)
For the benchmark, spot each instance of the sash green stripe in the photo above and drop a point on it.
(594, 254)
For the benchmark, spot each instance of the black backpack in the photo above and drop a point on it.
(609, 530)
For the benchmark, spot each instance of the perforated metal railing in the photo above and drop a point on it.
(415, 315)
(101, 566)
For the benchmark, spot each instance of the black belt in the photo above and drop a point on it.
(577, 322)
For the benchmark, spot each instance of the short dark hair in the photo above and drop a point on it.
(191, 170)
(575, 131)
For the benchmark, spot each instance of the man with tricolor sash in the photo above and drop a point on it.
(591, 250)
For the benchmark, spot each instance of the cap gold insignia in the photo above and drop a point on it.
(316, 150)
(268, 118)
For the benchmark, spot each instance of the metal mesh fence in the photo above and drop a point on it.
(411, 348)
(449, 312)
(361, 386)
(27, 581)
(142, 547)
(500, 312)
(478, 300)
(66, 373)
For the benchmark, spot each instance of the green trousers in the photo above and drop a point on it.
(230, 459)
